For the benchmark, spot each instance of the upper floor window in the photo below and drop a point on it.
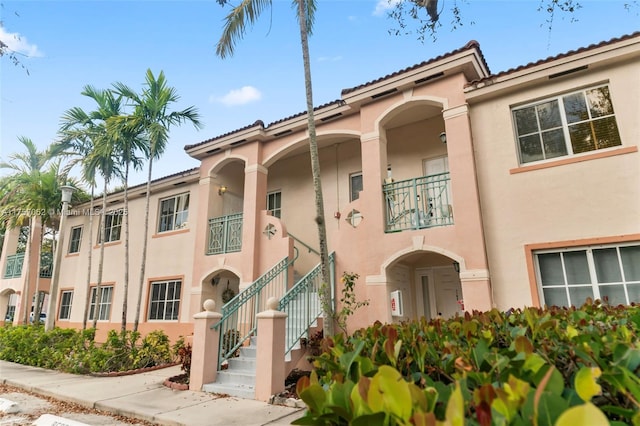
(74, 242)
(66, 297)
(174, 213)
(274, 203)
(112, 226)
(569, 277)
(164, 302)
(102, 303)
(355, 185)
(566, 125)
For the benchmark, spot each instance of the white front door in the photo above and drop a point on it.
(441, 292)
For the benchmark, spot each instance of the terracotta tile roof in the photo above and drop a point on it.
(470, 45)
(257, 123)
(555, 58)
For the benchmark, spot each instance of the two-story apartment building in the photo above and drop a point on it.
(446, 188)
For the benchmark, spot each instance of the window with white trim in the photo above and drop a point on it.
(102, 304)
(355, 185)
(112, 226)
(164, 300)
(566, 125)
(174, 213)
(66, 297)
(74, 241)
(568, 277)
(274, 203)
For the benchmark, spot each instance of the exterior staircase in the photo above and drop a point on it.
(239, 379)
(302, 305)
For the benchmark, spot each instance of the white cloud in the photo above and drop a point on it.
(329, 58)
(244, 95)
(383, 6)
(19, 44)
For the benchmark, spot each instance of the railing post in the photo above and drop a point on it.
(204, 352)
(270, 368)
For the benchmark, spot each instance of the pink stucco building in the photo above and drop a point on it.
(446, 188)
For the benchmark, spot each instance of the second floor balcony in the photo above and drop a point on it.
(418, 203)
(225, 234)
(14, 265)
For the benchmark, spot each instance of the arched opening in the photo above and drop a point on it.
(220, 286)
(8, 303)
(426, 284)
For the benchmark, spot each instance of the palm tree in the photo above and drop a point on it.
(128, 143)
(37, 193)
(86, 135)
(151, 119)
(235, 27)
(20, 195)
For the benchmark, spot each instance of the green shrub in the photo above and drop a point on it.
(530, 366)
(75, 351)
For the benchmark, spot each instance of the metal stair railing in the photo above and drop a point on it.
(303, 305)
(238, 322)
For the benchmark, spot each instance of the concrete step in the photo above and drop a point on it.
(242, 364)
(248, 351)
(236, 377)
(237, 390)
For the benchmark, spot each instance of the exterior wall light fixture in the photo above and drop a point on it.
(443, 137)
(222, 189)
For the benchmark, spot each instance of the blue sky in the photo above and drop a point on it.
(74, 43)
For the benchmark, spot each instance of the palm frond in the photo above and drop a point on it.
(236, 23)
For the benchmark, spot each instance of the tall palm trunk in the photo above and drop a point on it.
(103, 221)
(144, 244)
(89, 252)
(325, 287)
(125, 301)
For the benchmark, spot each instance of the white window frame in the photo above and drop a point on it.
(352, 176)
(564, 126)
(65, 306)
(112, 226)
(78, 240)
(274, 203)
(104, 305)
(164, 300)
(594, 285)
(179, 215)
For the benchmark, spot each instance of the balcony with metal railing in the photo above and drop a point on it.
(225, 234)
(418, 203)
(13, 267)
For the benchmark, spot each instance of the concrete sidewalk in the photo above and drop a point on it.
(143, 396)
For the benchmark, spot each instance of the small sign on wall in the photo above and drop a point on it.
(396, 304)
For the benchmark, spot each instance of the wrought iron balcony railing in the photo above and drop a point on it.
(225, 234)
(13, 268)
(418, 203)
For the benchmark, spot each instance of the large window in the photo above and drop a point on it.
(174, 213)
(65, 305)
(571, 276)
(355, 185)
(565, 125)
(112, 226)
(164, 303)
(101, 304)
(274, 203)
(74, 241)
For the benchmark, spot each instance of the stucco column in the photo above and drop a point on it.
(475, 280)
(255, 199)
(270, 368)
(374, 171)
(204, 352)
(30, 272)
